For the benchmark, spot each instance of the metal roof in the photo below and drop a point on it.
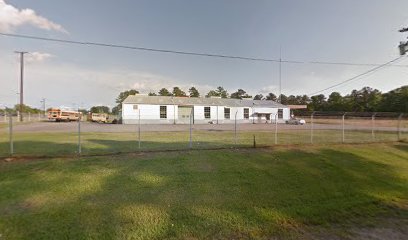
(229, 102)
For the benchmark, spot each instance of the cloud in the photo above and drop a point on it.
(38, 57)
(66, 84)
(11, 18)
(269, 89)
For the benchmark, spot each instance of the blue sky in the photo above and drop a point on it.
(364, 31)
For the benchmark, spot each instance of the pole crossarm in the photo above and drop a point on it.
(404, 30)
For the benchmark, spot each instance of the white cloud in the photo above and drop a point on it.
(11, 18)
(38, 56)
(68, 84)
(270, 89)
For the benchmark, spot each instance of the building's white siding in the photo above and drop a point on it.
(150, 114)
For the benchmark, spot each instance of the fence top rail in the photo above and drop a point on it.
(351, 114)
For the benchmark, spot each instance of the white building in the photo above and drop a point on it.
(177, 110)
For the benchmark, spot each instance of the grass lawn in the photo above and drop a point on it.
(322, 192)
(62, 144)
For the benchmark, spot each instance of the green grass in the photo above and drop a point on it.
(62, 144)
(217, 194)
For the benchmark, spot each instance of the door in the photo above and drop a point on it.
(184, 113)
(259, 117)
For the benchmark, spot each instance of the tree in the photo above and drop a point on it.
(240, 94)
(222, 92)
(318, 103)
(305, 100)
(283, 99)
(395, 100)
(271, 97)
(219, 92)
(164, 92)
(212, 93)
(99, 109)
(116, 110)
(27, 109)
(292, 100)
(83, 111)
(193, 92)
(122, 96)
(177, 92)
(372, 98)
(152, 94)
(259, 97)
(364, 100)
(336, 102)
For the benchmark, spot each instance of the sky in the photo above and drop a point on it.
(364, 31)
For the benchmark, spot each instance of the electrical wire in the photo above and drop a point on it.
(187, 53)
(358, 76)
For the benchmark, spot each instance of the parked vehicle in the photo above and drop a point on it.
(99, 117)
(63, 115)
(296, 121)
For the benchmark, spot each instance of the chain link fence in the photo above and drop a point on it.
(37, 136)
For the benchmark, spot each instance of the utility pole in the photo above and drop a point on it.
(43, 105)
(280, 74)
(21, 83)
(403, 46)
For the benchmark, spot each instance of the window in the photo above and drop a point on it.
(163, 111)
(227, 113)
(280, 113)
(246, 113)
(207, 112)
(135, 107)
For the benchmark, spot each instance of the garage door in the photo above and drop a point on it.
(184, 114)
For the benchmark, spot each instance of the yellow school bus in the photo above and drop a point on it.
(59, 115)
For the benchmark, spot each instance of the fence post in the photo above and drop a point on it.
(311, 127)
(373, 127)
(11, 134)
(18, 116)
(235, 128)
(138, 130)
(343, 133)
(399, 126)
(276, 128)
(79, 136)
(191, 128)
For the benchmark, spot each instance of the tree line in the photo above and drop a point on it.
(364, 100)
(177, 92)
(26, 109)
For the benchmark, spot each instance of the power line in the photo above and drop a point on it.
(188, 53)
(358, 76)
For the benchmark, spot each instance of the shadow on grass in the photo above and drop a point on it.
(219, 194)
(403, 146)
